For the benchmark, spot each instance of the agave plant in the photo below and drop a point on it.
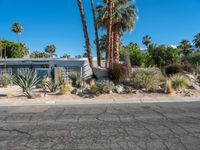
(26, 80)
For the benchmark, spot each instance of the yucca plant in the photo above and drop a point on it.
(179, 82)
(26, 80)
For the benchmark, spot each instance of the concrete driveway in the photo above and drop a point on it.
(166, 126)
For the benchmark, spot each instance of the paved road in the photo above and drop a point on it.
(172, 126)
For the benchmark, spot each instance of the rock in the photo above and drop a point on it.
(120, 89)
(195, 86)
(100, 72)
(138, 92)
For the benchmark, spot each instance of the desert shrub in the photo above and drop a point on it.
(26, 80)
(103, 87)
(118, 73)
(179, 82)
(75, 78)
(106, 87)
(5, 80)
(95, 90)
(178, 68)
(39, 86)
(64, 86)
(147, 79)
(168, 87)
(49, 84)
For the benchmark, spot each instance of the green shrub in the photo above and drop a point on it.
(194, 57)
(118, 73)
(179, 82)
(94, 89)
(147, 79)
(26, 80)
(5, 80)
(76, 79)
(104, 87)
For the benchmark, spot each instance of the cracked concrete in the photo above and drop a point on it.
(166, 126)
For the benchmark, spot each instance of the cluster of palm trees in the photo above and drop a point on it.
(185, 46)
(114, 16)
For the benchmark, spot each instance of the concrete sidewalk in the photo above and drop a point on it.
(86, 101)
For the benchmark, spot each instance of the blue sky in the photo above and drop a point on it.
(58, 22)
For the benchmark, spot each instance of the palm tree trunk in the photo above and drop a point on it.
(96, 34)
(86, 36)
(116, 44)
(109, 31)
(111, 51)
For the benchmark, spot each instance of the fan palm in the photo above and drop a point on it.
(185, 47)
(146, 40)
(123, 19)
(18, 29)
(197, 40)
(86, 36)
(96, 33)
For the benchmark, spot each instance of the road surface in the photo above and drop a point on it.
(166, 126)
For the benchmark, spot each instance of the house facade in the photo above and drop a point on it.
(46, 66)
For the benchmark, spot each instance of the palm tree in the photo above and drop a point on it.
(18, 29)
(185, 47)
(146, 40)
(86, 36)
(196, 40)
(96, 33)
(50, 50)
(123, 19)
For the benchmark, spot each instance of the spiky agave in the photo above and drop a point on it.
(26, 79)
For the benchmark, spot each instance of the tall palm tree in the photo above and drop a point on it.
(86, 36)
(18, 29)
(197, 40)
(96, 33)
(185, 47)
(146, 40)
(123, 19)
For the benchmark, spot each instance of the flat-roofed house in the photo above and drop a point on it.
(45, 66)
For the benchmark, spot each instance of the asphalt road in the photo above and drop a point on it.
(166, 126)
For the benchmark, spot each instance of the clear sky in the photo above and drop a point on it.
(58, 22)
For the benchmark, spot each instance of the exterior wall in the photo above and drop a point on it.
(81, 66)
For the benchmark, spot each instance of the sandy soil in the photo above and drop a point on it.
(16, 97)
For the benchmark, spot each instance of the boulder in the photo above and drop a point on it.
(120, 89)
(100, 72)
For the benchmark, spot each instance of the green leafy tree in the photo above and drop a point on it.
(194, 57)
(137, 58)
(197, 40)
(162, 55)
(185, 47)
(18, 29)
(13, 50)
(50, 50)
(146, 40)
